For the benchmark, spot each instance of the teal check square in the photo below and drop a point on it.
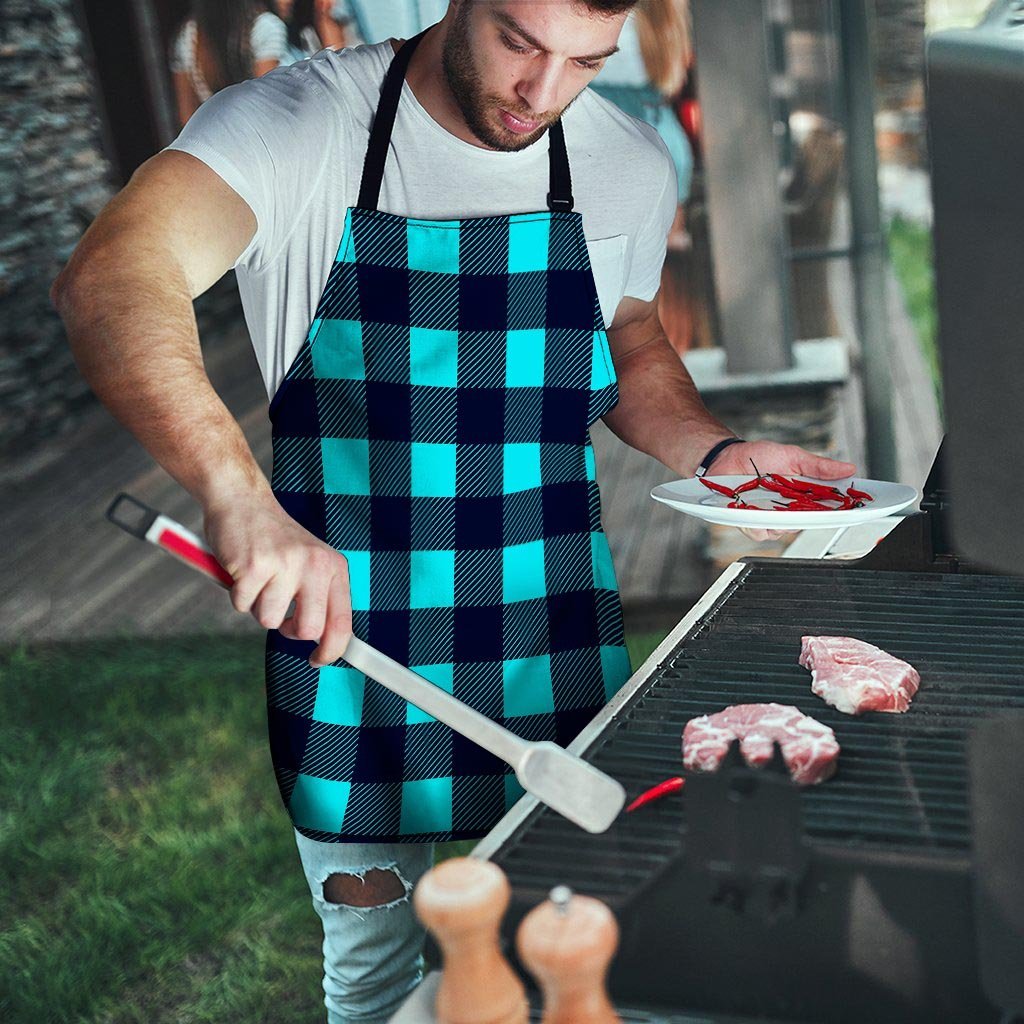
(346, 248)
(522, 467)
(432, 579)
(339, 695)
(433, 357)
(590, 460)
(601, 558)
(528, 244)
(439, 675)
(616, 669)
(527, 686)
(524, 358)
(433, 470)
(523, 572)
(513, 791)
(433, 247)
(337, 350)
(601, 372)
(319, 803)
(426, 806)
(359, 579)
(346, 465)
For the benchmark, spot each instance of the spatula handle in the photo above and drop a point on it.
(431, 698)
(148, 524)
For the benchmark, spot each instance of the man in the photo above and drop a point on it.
(433, 482)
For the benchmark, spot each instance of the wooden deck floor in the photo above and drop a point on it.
(70, 574)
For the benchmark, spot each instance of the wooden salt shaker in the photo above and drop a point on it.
(462, 901)
(567, 943)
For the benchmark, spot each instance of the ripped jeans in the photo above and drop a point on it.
(372, 944)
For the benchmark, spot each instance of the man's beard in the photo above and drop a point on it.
(464, 82)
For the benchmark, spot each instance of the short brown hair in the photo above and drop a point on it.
(609, 6)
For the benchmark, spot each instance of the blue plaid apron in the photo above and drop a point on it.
(434, 429)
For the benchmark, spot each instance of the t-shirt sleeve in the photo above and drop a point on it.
(269, 38)
(269, 139)
(651, 240)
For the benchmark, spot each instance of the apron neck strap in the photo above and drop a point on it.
(559, 196)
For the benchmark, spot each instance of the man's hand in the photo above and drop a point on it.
(771, 457)
(275, 562)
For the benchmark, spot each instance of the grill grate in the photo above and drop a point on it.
(902, 779)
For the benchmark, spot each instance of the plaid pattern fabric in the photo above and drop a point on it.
(434, 429)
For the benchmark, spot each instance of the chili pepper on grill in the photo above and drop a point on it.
(657, 792)
(720, 488)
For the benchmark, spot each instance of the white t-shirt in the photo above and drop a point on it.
(292, 144)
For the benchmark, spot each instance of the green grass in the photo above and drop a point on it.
(147, 869)
(910, 248)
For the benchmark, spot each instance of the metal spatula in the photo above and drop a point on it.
(562, 781)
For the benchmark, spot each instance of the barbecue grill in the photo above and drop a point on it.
(893, 892)
(746, 896)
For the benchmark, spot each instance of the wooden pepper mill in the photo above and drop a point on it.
(462, 901)
(567, 943)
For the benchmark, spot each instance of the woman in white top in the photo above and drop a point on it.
(224, 42)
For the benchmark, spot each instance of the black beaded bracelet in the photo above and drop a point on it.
(705, 463)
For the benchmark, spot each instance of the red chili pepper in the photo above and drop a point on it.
(743, 504)
(807, 487)
(657, 792)
(720, 488)
(862, 495)
(750, 485)
(794, 485)
(805, 504)
(786, 492)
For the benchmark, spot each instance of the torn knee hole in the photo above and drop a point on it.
(372, 889)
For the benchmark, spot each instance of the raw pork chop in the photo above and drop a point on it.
(855, 677)
(809, 748)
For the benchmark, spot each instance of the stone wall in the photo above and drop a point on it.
(54, 178)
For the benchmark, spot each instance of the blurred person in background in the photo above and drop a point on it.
(647, 75)
(372, 21)
(314, 24)
(223, 42)
(645, 79)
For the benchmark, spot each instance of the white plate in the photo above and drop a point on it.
(693, 498)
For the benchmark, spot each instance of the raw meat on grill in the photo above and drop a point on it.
(809, 748)
(855, 677)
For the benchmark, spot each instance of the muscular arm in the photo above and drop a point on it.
(660, 411)
(126, 300)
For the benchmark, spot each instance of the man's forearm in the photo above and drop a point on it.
(660, 411)
(133, 333)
